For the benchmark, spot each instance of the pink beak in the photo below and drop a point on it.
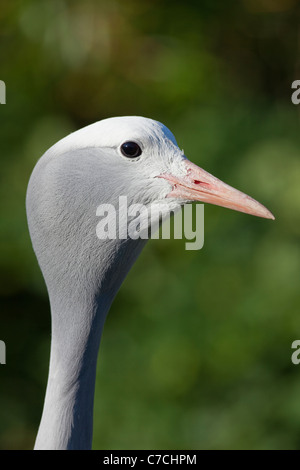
(198, 185)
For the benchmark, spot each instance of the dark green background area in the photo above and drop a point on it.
(196, 351)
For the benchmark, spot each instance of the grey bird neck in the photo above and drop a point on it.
(83, 274)
(67, 420)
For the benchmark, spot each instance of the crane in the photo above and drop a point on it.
(127, 156)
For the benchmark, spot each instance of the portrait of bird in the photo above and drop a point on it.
(127, 156)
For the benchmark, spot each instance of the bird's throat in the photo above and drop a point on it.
(67, 420)
(78, 316)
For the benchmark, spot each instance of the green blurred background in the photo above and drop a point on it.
(196, 351)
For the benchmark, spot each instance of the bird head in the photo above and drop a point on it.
(130, 156)
(139, 157)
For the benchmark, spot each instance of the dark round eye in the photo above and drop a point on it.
(131, 149)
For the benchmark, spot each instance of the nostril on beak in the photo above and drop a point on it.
(200, 182)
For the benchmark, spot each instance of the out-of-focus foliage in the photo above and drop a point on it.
(196, 351)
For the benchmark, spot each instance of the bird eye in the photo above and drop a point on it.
(131, 149)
